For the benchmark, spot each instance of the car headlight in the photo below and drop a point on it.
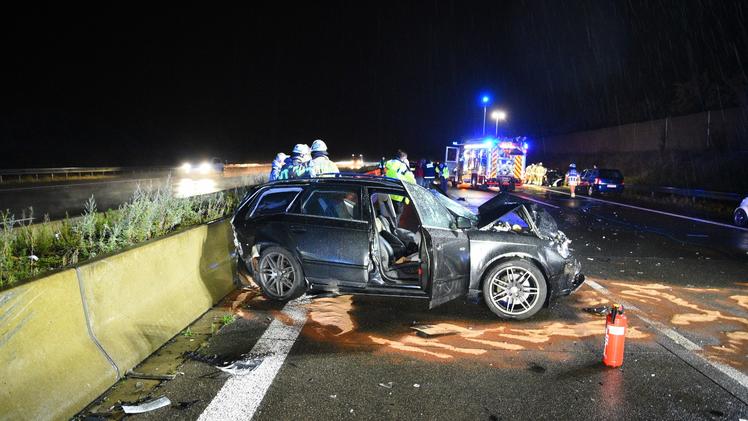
(205, 167)
(186, 167)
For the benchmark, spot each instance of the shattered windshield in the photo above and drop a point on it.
(454, 207)
(432, 212)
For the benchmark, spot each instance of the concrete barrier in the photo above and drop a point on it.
(139, 299)
(49, 365)
(67, 337)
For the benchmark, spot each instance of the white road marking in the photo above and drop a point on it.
(675, 215)
(681, 340)
(240, 396)
(525, 197)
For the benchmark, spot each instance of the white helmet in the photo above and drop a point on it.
(301, 149)
(280, 157)
(319, 145)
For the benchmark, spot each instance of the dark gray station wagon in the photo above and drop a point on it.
(374, 235)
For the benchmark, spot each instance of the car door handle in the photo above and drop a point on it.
(297, 229)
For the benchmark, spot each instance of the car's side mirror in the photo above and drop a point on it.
(463, 223)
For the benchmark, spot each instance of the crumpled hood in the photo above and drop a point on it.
(498, 206)
(502, 204)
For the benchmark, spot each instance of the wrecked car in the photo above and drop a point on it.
(380, 236)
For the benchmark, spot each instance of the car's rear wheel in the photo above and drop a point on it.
(280, 274)
(740, 218)
(515, 289)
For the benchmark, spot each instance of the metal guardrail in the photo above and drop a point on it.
(65, 172)
(694, 193)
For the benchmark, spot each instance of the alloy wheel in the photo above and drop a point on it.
(514, 290)
(277, 274)
(741, 219)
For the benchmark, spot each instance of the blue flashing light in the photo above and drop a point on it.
(525, 146)
(485, 99)
(454, 143)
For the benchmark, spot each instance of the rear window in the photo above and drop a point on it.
(275, 201)
(610, 174)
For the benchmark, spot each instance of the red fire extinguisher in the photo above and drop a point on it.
(615, 335)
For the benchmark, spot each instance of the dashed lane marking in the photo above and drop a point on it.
(240, 396)
(675, 215)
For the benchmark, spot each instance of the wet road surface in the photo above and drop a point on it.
(57, 199)
(358, 357)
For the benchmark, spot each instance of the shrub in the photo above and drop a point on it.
(27, 250)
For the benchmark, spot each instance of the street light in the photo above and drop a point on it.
(485, 100)
(498, 115)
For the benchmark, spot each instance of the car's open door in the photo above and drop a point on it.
(448, 248)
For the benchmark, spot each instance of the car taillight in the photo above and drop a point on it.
(597, 181)
(420, 271)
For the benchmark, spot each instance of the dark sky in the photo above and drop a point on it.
(142, 86)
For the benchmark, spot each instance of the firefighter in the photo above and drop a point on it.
(276, 166)
(320, 163)
(429, 173)
(444, 173)
(572, 178)
(541, 172)
(297, 166)
(529, 173)
(399, 168)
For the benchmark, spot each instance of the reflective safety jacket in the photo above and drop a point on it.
(395, 168)
(322, 165)
(294, 169)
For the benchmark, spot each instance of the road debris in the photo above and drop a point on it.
(598, 311)
(416, 385)
(137, 375)
(147, 406)
(241, 367)
(430, 331)
(387, 385)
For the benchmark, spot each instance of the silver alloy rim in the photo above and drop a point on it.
(277, 273)
(514, 290)
(740, 217)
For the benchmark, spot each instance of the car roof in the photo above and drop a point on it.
(348, 179)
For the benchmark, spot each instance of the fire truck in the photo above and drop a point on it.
(487, 162)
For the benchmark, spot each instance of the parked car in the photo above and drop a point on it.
(600, 180)
(740, 216)
(347, 235)
(553, 178)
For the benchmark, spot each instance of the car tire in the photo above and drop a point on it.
(515, 289)
(740, 218)
(279, 274)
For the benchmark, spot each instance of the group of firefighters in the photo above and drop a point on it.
(426, 171)
(535, 173)
(304, 162)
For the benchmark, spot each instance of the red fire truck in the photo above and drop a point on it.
(487, 162)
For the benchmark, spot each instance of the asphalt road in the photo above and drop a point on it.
(58, 199)
(685, 284)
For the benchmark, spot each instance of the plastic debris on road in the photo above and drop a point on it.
(147, 406)
(598, 311)
(431, 331)
(240, 368)
(387, 385)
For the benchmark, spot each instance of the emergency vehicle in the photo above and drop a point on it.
(490, 162)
